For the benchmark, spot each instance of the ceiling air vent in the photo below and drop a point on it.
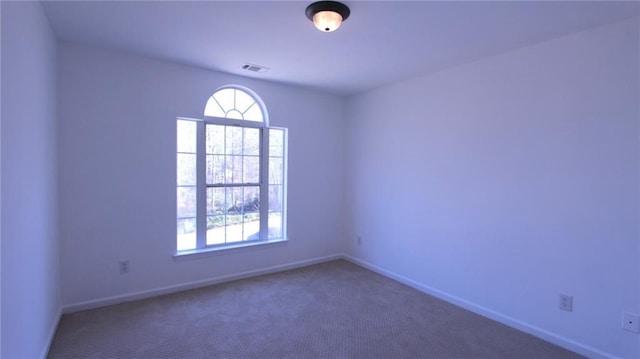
(255, 68)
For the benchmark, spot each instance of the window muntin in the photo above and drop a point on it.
(234, 103)
(231, 175)
(233, 183)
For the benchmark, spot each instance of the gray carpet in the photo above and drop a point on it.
(329, 310)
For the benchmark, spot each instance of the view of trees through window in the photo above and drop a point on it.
(243, 200)
(186, 191)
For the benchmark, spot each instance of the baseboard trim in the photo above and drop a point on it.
(52, 334)
(543, 334)
(102, 302)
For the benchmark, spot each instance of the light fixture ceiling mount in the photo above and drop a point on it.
(327, 15)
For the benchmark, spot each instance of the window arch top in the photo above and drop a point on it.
(236, 103)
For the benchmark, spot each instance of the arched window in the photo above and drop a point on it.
(235, 103)
(231, 175)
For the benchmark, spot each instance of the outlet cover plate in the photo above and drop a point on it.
(124, 267)
(566, 302)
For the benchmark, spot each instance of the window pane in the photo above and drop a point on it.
(215, 201)
(215, 139)
(220, 200)
(233, 169)
(215, 169)
(251, 202)
(186, 233)
(251, 228)
(275, 225)
(251, 142)
(233, 140)
(251, 169)
(186, 132)
(210, 201)
(225, 99)
(213, 109)
(234, 198)
(243, 101)
(251, 206)
(234, 228)
(275, 198)
(210, 170)
(186, 202)
(275, 170)
(254, 113)
(215, 230)
(235, 115)
(186, 169)
(276, 142)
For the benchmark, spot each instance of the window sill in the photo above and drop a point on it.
(230, 249)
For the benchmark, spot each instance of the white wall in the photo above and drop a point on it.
(30, 261)
(0, 191)
(117, 173)
(501, 183)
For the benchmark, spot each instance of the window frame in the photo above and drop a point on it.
(263, 184)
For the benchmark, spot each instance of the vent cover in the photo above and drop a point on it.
(255, 68)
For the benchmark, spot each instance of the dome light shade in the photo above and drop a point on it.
(327, 21)
(327, 15)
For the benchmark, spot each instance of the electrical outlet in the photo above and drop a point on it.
(566, 302)
(631, 322)
(124, 267)
(359, 240)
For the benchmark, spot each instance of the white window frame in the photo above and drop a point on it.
(263, 184)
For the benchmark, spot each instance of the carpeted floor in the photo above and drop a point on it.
(329, 310)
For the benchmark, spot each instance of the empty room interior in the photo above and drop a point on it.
(482, 157)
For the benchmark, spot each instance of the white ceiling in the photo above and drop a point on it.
(381, 42)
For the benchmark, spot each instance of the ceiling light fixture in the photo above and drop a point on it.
(327, 15)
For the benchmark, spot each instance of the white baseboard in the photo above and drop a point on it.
(543, 334)
(102, 302)
(52, 333)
